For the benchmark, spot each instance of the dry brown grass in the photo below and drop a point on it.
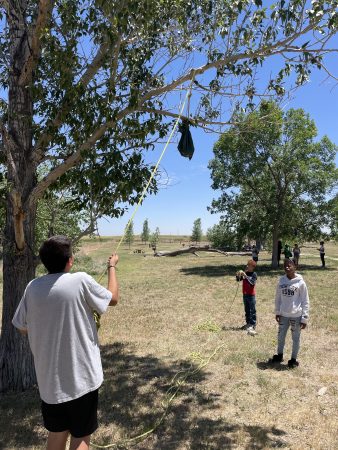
(173, 314)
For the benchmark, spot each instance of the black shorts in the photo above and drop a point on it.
(78, 416)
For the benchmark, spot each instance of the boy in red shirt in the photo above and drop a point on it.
(249, 278)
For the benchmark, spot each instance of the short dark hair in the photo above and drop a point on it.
(55, 253)
(288, 261)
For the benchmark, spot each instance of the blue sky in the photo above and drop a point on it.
(176, 206)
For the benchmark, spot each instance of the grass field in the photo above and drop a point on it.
(178, 367)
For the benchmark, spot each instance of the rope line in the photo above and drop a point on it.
(177, 383)
(188, 94)
(181, 376)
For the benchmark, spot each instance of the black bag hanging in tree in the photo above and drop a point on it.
(185, 145)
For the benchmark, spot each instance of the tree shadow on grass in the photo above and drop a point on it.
(221, 270)
(21, 422)
(131, 403)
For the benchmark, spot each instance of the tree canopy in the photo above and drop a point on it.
(274, 176)
(99, 77)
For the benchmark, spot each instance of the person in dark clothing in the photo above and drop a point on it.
(255, 253)
(296, 255)
(287, 251)
(322, 253)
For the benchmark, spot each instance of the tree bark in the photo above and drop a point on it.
(16, 361)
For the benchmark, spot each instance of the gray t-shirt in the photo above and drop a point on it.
(57, 311)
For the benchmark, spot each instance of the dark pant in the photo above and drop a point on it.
(322, 257)
(250, 309)
(78, 416)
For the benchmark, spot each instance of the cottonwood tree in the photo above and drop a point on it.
(331, 214)
(223, 236)
(274, 175)
(154, 237)
(129, 233)
(196, 235)
(145, 231)
(88, 86)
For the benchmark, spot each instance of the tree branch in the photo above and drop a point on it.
(45, 11)
(45, 138)
(75, 158)
(93, 67)
(7, 146)
(279, 47)
(91, 228)
(194, 121)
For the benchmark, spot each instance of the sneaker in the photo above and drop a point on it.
(292, 363)
(251, 331)
(276, 358)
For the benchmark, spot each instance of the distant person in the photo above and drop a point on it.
(321, 250)
(287, 251)
(254, 252)
(279, 251)
(249, 278)
(292, 310)
(56, 311)
(296, 255)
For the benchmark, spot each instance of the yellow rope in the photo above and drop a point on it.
(153, 172)
(180, 378)
(177, 383)
(97, 317)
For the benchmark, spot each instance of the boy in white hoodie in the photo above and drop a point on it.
(291, 309)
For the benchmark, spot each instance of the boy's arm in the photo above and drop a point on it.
(305, 303)
(278, 300)
(252, 278)
(113, 286)
(20, 317)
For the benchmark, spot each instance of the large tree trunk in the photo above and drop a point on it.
(16, 362)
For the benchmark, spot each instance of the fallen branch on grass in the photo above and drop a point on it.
(195, 249)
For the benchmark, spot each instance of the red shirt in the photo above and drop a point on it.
(249, 283)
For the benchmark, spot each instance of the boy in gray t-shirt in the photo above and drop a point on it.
(56, 311)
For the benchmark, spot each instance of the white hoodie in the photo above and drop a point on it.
(292, 298)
